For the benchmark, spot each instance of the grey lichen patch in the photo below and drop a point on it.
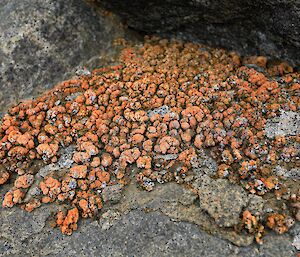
(65, 161)
(288, 174)
(287, 124)
(161, 111)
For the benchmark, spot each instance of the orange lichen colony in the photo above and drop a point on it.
(164, 98)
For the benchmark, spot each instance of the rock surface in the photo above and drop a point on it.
(168, 221)
(222, 200)
(134, 234)
(270, 28)
(41, 41)
(171, 220)
(179, 204)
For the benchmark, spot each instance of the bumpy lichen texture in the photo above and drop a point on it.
(163, 99)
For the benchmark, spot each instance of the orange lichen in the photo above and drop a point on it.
(8, 200)
(68, 223)
(156, 111)
(30, 206)
(4, 176)
(249, 220)
(78, 171)
(258, 60)
(277, 222)
(106, 160)
(50, 187)
(24, 181)
(144, 162)
(103, 176)
(90, 206)
(47, 150)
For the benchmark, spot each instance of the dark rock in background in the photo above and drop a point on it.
(42, 40)
(252, 27)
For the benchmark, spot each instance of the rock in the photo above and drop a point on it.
(296, 242)
(187, 197)
(204, 164)
(256, 27)
(255, 205)
(19, 225)
(137, 234)
(222, 200)
(65, 160)
(295, 233)
(134, 232)
(287, 124)
(180, 204)
(295, 230)
(274, 245)
(108, 219)
(42, 40)
(112, 194)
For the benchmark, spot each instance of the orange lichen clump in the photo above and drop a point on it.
(68, 223)
(277, 222)
(4, 176)
(50, 188)
(78, 171)
(156, 110)
(253, 226)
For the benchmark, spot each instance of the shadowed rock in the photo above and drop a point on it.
(270, 28)
(42, 41)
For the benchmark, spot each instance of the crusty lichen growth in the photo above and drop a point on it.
(164, 98)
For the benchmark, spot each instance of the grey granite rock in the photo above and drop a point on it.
(134, 234)
(178, 203)
(255, 205)
(18, 224)
(43, 42)
(264, 27)
(222, 200)
(112, 193)
(158, 223)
